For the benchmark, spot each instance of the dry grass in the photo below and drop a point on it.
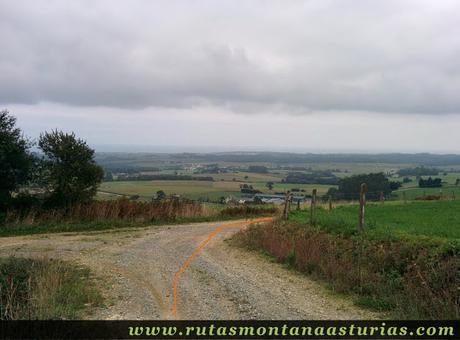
(249, 210)
(411, 279)
(44, 289)
(115, 210)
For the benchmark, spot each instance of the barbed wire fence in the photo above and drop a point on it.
(361, 198)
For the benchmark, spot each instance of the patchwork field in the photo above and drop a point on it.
(196, 189)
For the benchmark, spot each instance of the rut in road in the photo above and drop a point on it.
(137, 267)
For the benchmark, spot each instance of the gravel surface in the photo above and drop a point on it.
(135, 269)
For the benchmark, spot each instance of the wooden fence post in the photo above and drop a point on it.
(362, 206)
(330, 202)
(298, 204)
(382, 197)
(453, 195)
(286, 208)
(313, 208)
(404, 197)
(440, 194)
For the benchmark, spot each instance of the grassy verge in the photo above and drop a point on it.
(407, 277)
(45, 289)
(124, 214)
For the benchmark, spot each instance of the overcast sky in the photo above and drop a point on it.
(284, 75)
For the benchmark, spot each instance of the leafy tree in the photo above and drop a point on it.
(15, 159)
(161, 195)
(349, 187)
(395, 185)
(269, 185)
(457, 182)
(69, 172)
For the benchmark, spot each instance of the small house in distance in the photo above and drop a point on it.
(277, 199)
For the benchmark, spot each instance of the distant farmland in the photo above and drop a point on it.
(195, 189)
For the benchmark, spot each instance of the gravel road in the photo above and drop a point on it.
(136, 268)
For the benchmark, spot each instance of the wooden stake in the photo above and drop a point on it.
(404, 197)
(453, 195)
(382, 197)
(289, 203)
(313, 208)
(362, 206)
(298, 204)
(286, 202)
(330, 202)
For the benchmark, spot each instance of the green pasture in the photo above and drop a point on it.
(427, 219)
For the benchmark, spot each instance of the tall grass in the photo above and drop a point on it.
(102, 215)
(44, 289)
(248, 210)
(409, 278)
(121, 209)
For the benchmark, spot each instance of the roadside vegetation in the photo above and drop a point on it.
(122, 213)
(406, 263)
(45, 289)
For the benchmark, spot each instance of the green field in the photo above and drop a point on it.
(431, 219)
(188, 189)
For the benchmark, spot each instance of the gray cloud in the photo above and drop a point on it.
(295, 57)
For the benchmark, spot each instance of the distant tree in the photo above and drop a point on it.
(108, 177)
(430, 183)
(406, 180)
(317, 177)
(246, 177)
(418, 171)
(258, 200)
(248, 189)
(269, 185)
(161, 195)
(395, 185)
(457, 182)
(15, 159)
(69, 172)
(349, 187)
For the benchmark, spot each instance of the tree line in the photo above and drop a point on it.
(63, 171)
(349, 187)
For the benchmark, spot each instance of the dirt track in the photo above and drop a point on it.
(136, 270)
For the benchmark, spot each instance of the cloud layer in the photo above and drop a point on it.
(248, 56)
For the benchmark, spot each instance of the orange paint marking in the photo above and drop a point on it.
(211, 235)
